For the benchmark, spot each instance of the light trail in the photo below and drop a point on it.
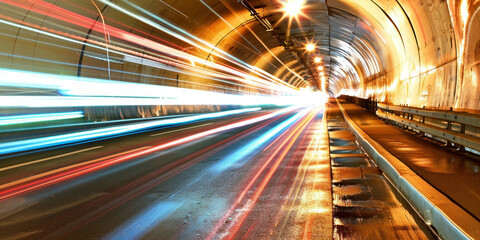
(122, 24)
(143, 222)
(48, 178)
(204, 45)
(234, 12)
(32, 118)
(136, 57)
(82, 91)
(171, 80)
(89, 135)
(58, 175)
(82, 86)
(61, 101)
(51, 10)
(315, 160)
(182, 129)
(319, 152)
(105, 204)
(288, 143)
(235, 225)
(48, 158)
(242, 153)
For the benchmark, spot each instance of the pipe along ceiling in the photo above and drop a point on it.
(420, 53)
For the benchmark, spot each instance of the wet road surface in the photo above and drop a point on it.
(230, 184)
(261, 175)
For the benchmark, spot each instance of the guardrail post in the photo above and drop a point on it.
(406, 117)
(461, 148)
(449, 144)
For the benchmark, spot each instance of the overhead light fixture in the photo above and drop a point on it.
(293, 7)
(265, 23)
(310, 47)
(322, 78)
(320, 68)
(317, 59)
(321, 73)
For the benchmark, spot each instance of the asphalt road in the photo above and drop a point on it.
(257, 175)
(131, 187)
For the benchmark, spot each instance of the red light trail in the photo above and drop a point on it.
(58, 175)
(278, 156)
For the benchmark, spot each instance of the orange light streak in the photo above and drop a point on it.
(29, 184)
(287, 143)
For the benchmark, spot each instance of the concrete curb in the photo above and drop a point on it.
(449, 220)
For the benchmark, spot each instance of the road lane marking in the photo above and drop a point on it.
(157, 134)
(13, 206)
(66, 168)
(48, 158)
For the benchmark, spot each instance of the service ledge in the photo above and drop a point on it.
(447, 218)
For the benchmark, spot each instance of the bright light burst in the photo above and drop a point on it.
(293, 8)
(310, 47)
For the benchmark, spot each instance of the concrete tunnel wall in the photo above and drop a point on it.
(419, 53)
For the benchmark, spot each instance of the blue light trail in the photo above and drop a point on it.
(107, 132)
(31, 118)
(235, 159)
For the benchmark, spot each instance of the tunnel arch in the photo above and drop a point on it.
(400, 52)
(469, 85)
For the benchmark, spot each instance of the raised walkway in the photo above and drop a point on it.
(455, 176)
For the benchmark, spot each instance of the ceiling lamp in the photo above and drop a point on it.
(293, 7)
(317, 59)
(310, 47)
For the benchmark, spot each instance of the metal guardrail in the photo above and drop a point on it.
(449, 220)
(438, 123)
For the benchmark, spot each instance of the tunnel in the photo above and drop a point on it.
(239, 119)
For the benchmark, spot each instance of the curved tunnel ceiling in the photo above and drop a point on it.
(392, 50)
